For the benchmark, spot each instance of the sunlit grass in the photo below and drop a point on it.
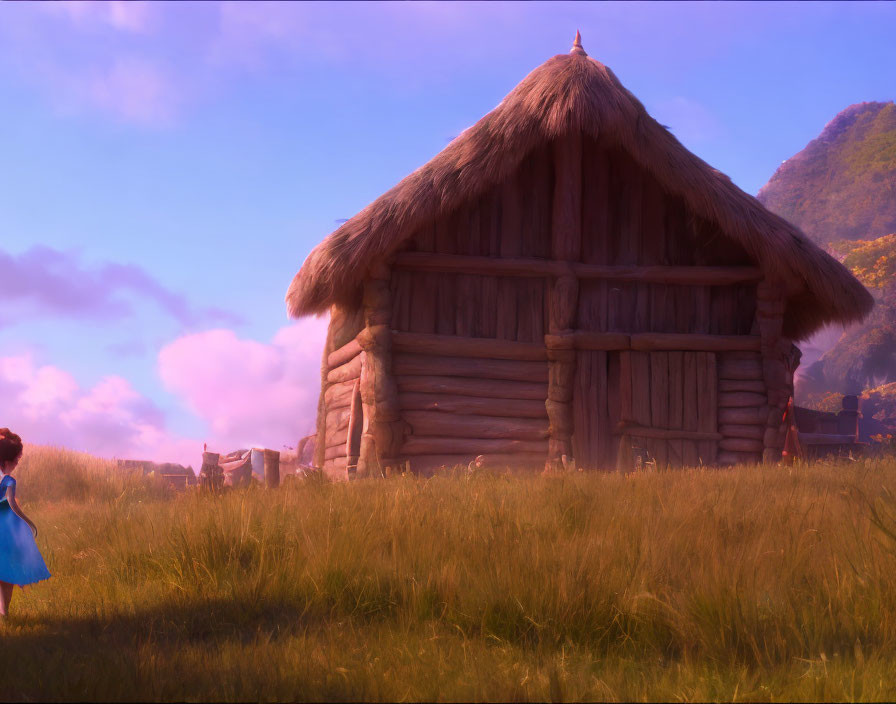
(755, 583)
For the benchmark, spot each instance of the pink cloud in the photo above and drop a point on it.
(248, 392)
(45, 405)
(98, 57)
(126, 16)
(45, 281)
(134, 90)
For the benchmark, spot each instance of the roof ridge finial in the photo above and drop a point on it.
(577, 45)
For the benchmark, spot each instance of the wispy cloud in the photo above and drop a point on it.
(124, 15)
(146, 64)
(94, 57)
(45, 281)
(134, 90)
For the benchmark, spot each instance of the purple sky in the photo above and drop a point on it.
(168, 167)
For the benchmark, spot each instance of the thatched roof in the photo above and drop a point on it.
(575, 92)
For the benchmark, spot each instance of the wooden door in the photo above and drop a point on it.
(671, 397)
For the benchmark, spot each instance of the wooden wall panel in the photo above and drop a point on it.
(594, 440)
(707, 405)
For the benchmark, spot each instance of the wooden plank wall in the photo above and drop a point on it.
(627, 219)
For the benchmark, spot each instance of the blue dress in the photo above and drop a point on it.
(20, 561)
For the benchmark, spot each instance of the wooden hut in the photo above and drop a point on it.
(564, 279)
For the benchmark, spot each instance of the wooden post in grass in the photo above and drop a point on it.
(210, 476)
(271, 469)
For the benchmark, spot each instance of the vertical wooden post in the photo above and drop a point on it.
(271, 469)
(775, 371)
(566, 245)
(384, 435)
(210, 475)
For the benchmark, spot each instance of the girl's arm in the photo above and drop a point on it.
(13, 504)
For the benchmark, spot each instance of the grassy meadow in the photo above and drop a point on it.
(750, 584)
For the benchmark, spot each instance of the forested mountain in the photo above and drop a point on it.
(841, 191)
(842, 186)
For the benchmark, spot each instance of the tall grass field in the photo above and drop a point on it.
(755, 583)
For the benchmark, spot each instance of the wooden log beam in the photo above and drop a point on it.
(752, 432)
(597, 341)
(436, 424)
(742, 416)
(655, 342)
(450, 345)
(335, 451)
(421, 445)
(740, 399)
(339, 394)
(740, 369)
(465, 386)
(541, 268)
(337, 436)
(483, 266)
(478, 406)
(752, 385)
(344, 354)
(337, 418)
(696, 342)
(427, 365)
(671, 275)
(643, 431)
(345, 372)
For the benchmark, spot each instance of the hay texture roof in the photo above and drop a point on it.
(575, 92)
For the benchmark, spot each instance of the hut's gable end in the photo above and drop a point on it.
(626, 219)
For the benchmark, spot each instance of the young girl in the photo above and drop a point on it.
(20, 561)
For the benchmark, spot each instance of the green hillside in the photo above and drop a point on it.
(842, 186)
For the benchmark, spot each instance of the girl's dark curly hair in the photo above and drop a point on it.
(10, 445)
